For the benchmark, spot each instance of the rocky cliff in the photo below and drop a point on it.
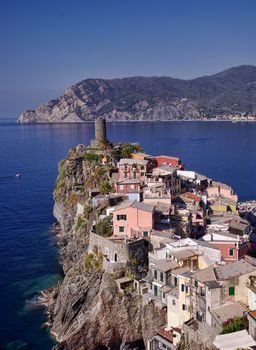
(86, 311)
(232, 91)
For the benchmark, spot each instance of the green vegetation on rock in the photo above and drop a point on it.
(128, 148)
(104, 228)
(93, 261)
(60, 182)
(106, 187)
(81, 223)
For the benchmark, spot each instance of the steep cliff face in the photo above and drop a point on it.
(87, 311)
(152, 98)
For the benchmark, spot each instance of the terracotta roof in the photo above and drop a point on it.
(170, 157)
(192, 196)
(167, 334)
(253, 313)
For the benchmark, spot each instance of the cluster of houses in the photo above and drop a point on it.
(199, 270)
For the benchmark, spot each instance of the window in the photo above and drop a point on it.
(142, 167)
(196, 284)
(121, 217)
(121, 228)
(142, 174)
(155, 291)
(145, 233)
(163, 295)
(161, 276)
(155, 274)
(183, 307)
(134, 175)
(175, 281)
(182, 287)
(231, 252)
(231, 291)
(173, 302)
(186, 289)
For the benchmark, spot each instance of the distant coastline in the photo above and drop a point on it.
(222, 96)
(146, 121)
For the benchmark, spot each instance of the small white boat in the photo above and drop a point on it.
(18, 175)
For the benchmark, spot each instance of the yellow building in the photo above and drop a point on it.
(178, 300)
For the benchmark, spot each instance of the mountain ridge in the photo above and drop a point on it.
(232, 91)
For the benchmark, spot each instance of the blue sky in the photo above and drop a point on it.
(46, 46)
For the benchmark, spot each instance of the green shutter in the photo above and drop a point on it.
(145, 233)
(121, 228)
(231, 291)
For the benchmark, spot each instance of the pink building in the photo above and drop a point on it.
(133, 219)
(232, 247)
(132, 169)
(217, 189)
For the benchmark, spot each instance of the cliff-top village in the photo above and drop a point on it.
(181, 239)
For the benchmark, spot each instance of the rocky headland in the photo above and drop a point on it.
(231, 93)
(86, 311)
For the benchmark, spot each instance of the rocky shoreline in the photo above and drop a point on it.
(86, 311)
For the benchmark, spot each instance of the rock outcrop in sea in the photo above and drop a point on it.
(231, 92)
(86, 311)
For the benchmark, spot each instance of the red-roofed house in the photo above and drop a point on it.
(168, 160)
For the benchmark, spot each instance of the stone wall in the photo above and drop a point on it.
(121, 252)
(198, 335)
(114, 252)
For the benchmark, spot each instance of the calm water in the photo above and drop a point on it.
(28, 253)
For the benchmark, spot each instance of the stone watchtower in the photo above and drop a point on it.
(100, 132)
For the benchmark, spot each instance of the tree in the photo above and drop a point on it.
(104, 228)
(106, 187)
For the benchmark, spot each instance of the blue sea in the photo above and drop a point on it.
(29, 258)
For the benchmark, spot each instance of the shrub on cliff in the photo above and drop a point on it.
(106, 187)
(92, 157)
(128, 148)
(104, 228)
(60, 182)
(93, 261)
(81, 223)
